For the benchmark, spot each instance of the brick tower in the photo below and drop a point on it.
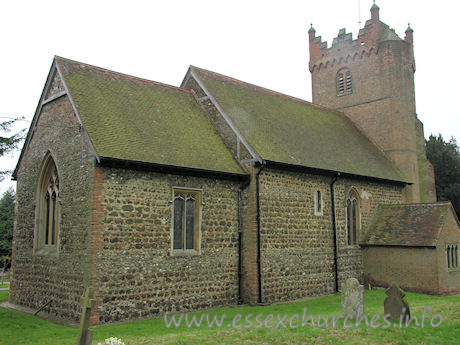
(371, 79)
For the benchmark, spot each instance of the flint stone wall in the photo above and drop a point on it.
(297, 248)
(60, 277)
(137, 275)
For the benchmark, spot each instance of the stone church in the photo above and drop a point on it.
(220, 192)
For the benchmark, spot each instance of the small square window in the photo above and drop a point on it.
(186, 221)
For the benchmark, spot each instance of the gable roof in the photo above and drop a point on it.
(414, 225)
(133, 119)
(292, 131)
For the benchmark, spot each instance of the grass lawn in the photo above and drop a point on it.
(18, 328)
(5, 282)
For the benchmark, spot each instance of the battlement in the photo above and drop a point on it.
(371, 79)
(344, 47)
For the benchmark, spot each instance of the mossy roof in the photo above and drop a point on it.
(134, 119)
(288, 130)
(415, 225)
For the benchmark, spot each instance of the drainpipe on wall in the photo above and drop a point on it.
(240, 225)
(259, 271)
(334, 225)
(240, 237)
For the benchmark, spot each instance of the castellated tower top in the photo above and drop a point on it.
(344, 47)
(371, 80)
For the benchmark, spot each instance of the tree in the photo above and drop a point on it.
(6, 222)
(445, 157)
(9, 143)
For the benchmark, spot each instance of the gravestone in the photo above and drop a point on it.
(85, 335)
(352, 298)
(394, 304)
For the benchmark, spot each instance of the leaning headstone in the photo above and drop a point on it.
(394, 304)
(352, 298)
(85, 335)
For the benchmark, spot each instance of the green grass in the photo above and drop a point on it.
(17, 328)
(5, 280)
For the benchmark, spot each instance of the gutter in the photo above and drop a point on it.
(259, 271)
(326, 172)
(334, 226)
(170, 169)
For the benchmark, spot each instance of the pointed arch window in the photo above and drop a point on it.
(344, 82)
(186, 221)
(48, 210)
(340, 84)
(452, 256)
(353, 218)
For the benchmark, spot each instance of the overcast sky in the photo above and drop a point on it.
(261, 42)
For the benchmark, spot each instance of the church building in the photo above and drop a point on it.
(220, 192)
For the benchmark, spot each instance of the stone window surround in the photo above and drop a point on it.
(355, 196)
(198, 192)
(452, 256)
(315, 203)
(346, 75)
(48, 170)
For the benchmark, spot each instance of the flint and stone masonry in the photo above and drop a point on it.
(263, 236)
(61, 276)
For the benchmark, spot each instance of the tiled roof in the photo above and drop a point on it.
(134, 119)
(407, 225)
(288, 130)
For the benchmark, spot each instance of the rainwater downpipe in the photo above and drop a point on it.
(240, 241)
(240, 237)
(259, 272)
(334, 225)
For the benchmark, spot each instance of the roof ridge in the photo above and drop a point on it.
(296, 99)
(102, 69)
(316, 106)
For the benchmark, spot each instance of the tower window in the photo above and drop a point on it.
(341, 83)
(349, 86)
(344, 82)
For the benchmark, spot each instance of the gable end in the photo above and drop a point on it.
(54, 89)
(232, 137)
